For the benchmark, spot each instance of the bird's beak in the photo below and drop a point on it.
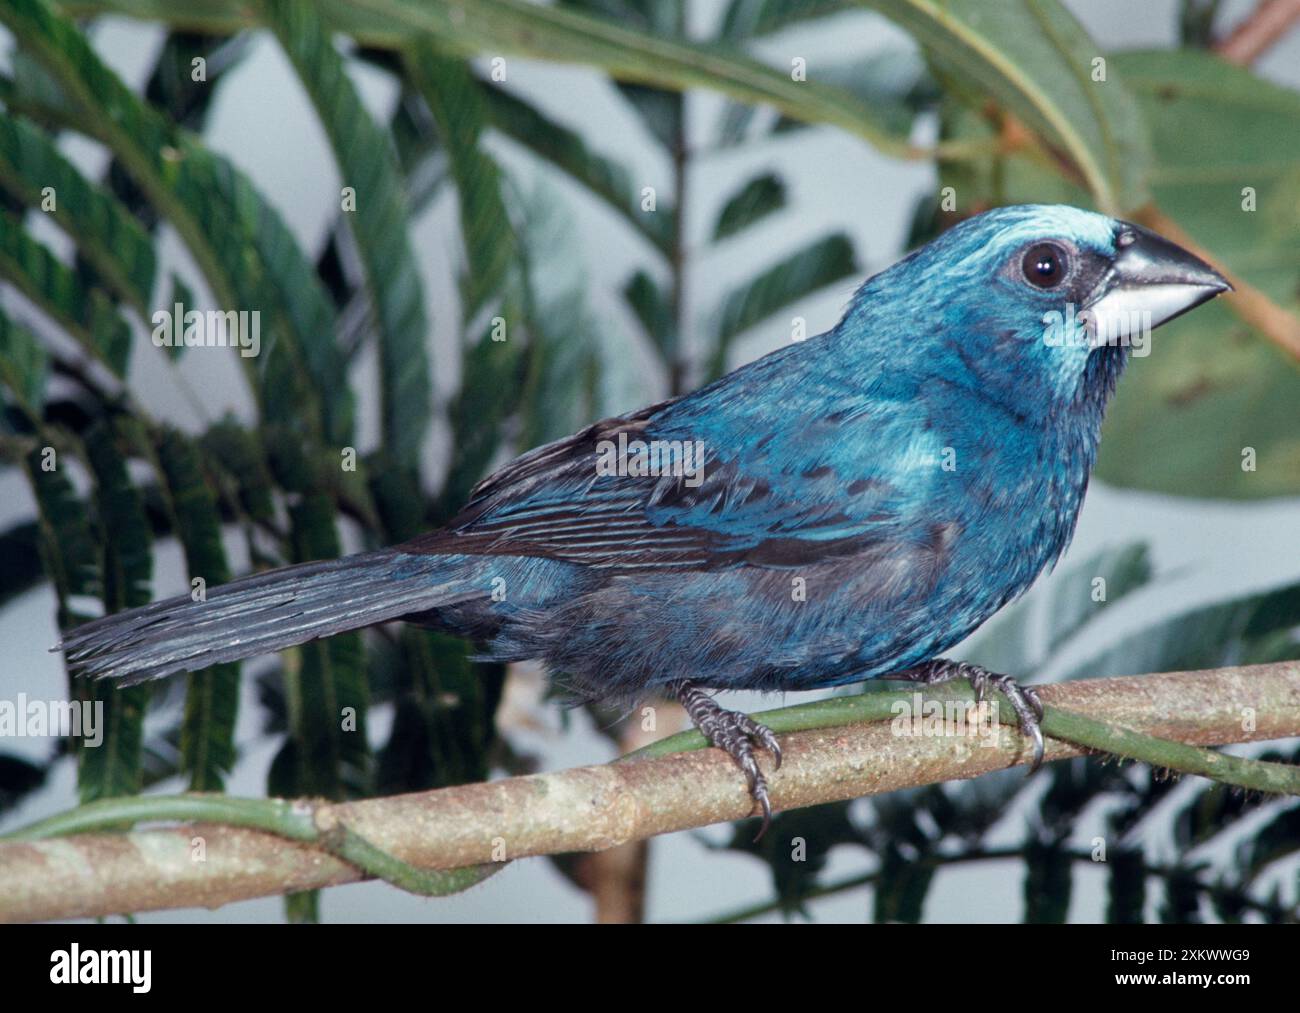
(1151, 282)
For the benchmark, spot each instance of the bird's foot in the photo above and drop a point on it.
(736, 735)
(1024, 699)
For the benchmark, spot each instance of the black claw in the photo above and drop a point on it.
(736, 735)
(1024, 700)
(1036, 734)
(1029, 711)
(760, 796)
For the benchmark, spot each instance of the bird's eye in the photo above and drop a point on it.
(1044, 265)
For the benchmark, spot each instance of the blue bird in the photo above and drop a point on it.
(846, 507)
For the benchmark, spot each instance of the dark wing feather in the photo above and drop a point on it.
(551, 502)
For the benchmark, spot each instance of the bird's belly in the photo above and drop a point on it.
(752, 628)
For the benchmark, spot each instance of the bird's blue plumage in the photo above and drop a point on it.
(868, 497)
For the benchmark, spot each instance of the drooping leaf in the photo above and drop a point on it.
(749, 19)
(325, 686)
(34, 170)
(18, 779)
(895, 84)
(822, 262)
(67, 543)
(182, 295)
(1049, 881)
(568, 151)
(1255, 628)
(88, 315)
(495, 383)
(1036, 60)
(240, 243)
(553, 33)
(456, 100)
(1005, 644)
(1083, 592)
(648, 303)
(24, 368)
(797, 848)
(901, 887)
(443, 723)
(23, 569)
(1126, 886)
(760, 197)
(240, 453)
(379, 222)
(212, 695)
(113, 767)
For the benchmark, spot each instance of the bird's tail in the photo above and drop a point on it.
(264, 613)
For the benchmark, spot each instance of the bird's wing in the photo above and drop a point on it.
(774, 493)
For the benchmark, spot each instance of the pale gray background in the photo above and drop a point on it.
(263, 122)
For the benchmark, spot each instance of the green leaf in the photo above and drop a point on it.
(23, 570)
(1048, 882)
(458, 107)
(651, 308)
(1004, 645)
(443, 724)
(1211, 411)
(87, 314)
(660, 110)
(302, 908)
(241, 245)
(895, 84)
(212, 695)
(239, 453)
(113, 767)
(748, 19)
(567, 151)
(102, 228)
(1036, 60)
(67, 545)
(553, 33)
(379, 223)
(24, 367)
(491, 388)
(820, 263)
(902, 887)
(760, 197)
(1256, 628)
(566, 396)
(19, 778)
(184, 295)
(325, 684)
(795, 875)
(1112, 573)
(1126, 886)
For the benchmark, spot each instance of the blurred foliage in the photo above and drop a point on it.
(1021, 117)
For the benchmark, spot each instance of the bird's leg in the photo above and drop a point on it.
(736, 735)
(1024, 700)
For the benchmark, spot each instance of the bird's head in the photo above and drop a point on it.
(1040, 302)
